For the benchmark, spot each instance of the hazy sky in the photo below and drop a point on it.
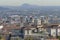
(33, 2)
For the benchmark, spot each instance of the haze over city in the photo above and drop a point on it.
(29, 19)
(33, 2)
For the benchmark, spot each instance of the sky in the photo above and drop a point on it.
(32, 2)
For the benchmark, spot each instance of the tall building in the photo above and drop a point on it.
(35, 22)
(30, 19)
(46, 20)
(26, 19)
(21, 21)
(39, 23)
(42, 19)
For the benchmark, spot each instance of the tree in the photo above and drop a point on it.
(0, 37)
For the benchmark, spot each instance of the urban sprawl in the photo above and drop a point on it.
(17, 27)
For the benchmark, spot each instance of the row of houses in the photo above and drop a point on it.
(35, 32)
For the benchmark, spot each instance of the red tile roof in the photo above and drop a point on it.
(52, 39)
(8, 28)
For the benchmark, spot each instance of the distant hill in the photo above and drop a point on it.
(36, 7)
(29, 7)
(43, 10)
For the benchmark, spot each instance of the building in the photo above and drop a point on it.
(14, 29)
(39, 24)
(53, 30)
(35, 33)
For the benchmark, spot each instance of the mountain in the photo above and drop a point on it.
(36, 7)
(38, 10)
(28, 6)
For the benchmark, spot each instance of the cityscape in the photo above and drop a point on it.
(18, 27)
(29, 19)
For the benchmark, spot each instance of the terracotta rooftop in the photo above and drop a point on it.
(52, 39)
(8, 28)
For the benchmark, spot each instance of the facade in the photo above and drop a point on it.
(35, 33)
(54, 30)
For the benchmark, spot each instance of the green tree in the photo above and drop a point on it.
(58, 37)
(0, 37)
